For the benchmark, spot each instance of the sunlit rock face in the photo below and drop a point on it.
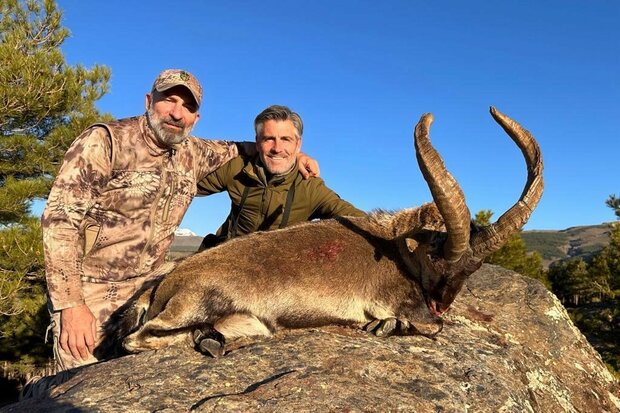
(507, 346)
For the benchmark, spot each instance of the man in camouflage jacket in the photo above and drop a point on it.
(119, 196)
(266, 190)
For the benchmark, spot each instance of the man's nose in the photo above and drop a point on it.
(177, 111)
(277, 145)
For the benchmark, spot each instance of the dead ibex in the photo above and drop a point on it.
(392, 273)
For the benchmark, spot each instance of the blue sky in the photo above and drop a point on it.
(361, 73)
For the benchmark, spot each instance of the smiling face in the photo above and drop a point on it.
(278, 146)
(172, 114)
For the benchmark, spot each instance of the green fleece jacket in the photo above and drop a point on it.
(265, 200)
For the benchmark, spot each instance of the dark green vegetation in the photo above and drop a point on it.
(600, 323)
(44, 105)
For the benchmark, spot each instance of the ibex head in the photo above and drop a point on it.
(446, 258)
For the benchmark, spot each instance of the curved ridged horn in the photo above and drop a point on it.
(446, 192)
(492, 237)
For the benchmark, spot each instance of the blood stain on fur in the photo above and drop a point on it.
(328, 251)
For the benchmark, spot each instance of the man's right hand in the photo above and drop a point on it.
(78, 330)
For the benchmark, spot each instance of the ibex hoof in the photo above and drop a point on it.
(382, 328)
(211, 347)
(209, 342)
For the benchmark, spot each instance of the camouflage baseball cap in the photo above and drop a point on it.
(170, 78)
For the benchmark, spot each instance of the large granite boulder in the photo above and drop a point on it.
(507, 346)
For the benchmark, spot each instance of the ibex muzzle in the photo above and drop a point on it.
(391, 273)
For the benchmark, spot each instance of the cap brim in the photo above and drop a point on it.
(164, 87)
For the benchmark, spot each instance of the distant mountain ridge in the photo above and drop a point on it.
(573, 242)
(553, 245)
(185, 242)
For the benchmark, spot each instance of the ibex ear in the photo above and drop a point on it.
(411, 244)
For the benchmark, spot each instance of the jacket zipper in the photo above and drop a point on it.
(168, 200)
(154, 208)
(172, 189)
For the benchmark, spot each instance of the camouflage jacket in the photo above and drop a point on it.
(264, 201)
(116, 202)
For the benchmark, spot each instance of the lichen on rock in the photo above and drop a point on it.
(507, 346)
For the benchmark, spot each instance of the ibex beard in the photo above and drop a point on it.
(389, 273)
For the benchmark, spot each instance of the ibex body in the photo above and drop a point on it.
(393, 273)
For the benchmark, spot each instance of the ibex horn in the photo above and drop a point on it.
(446, 192)
(492, 237)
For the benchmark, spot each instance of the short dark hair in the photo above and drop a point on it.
(278, 113)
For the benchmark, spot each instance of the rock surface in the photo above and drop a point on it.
(507, 346)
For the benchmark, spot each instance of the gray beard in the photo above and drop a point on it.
(165, 137)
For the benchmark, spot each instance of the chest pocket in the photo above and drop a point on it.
(129, 194)
(91, 232)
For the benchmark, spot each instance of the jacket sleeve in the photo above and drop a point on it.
(327, 203)
(85, 170)
(211, 154)
(215, 182)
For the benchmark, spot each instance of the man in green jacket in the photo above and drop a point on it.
(266, 190)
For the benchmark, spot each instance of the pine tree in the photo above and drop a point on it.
(600, 276)
(514, 255)
(611, 253)
(605, 266)
(614, 203)
(613, 259)
(44, 105)
(571, 281)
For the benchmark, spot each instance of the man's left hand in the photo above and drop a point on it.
(307, 166)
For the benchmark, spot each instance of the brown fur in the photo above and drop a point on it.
(346, 271)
